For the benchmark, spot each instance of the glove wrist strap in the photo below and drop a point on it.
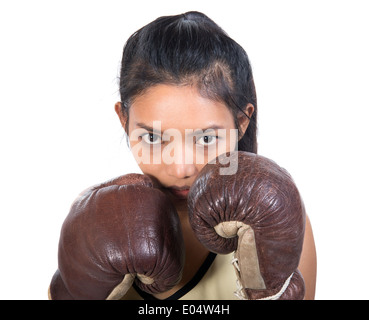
(240, 293)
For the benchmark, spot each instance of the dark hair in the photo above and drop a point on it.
(190, 49)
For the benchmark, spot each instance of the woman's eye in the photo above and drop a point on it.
(151, 138)
(207, 140)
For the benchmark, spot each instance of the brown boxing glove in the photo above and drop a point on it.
(118, 232)
(258, 213)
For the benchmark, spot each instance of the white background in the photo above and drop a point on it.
(59, 63)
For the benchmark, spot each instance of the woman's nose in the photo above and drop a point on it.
(181, 170)
(181, 164)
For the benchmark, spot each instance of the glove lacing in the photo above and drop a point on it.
(239, 293)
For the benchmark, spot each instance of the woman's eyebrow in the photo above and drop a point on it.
(148, 128)
(197, 131)
(212, 127)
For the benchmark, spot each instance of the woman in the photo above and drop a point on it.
(186, 88)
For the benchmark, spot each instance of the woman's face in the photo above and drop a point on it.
(174, 132)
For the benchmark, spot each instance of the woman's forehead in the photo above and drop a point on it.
(178, 107)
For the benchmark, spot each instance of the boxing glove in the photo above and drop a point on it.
(257, 213)
(118, 232)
